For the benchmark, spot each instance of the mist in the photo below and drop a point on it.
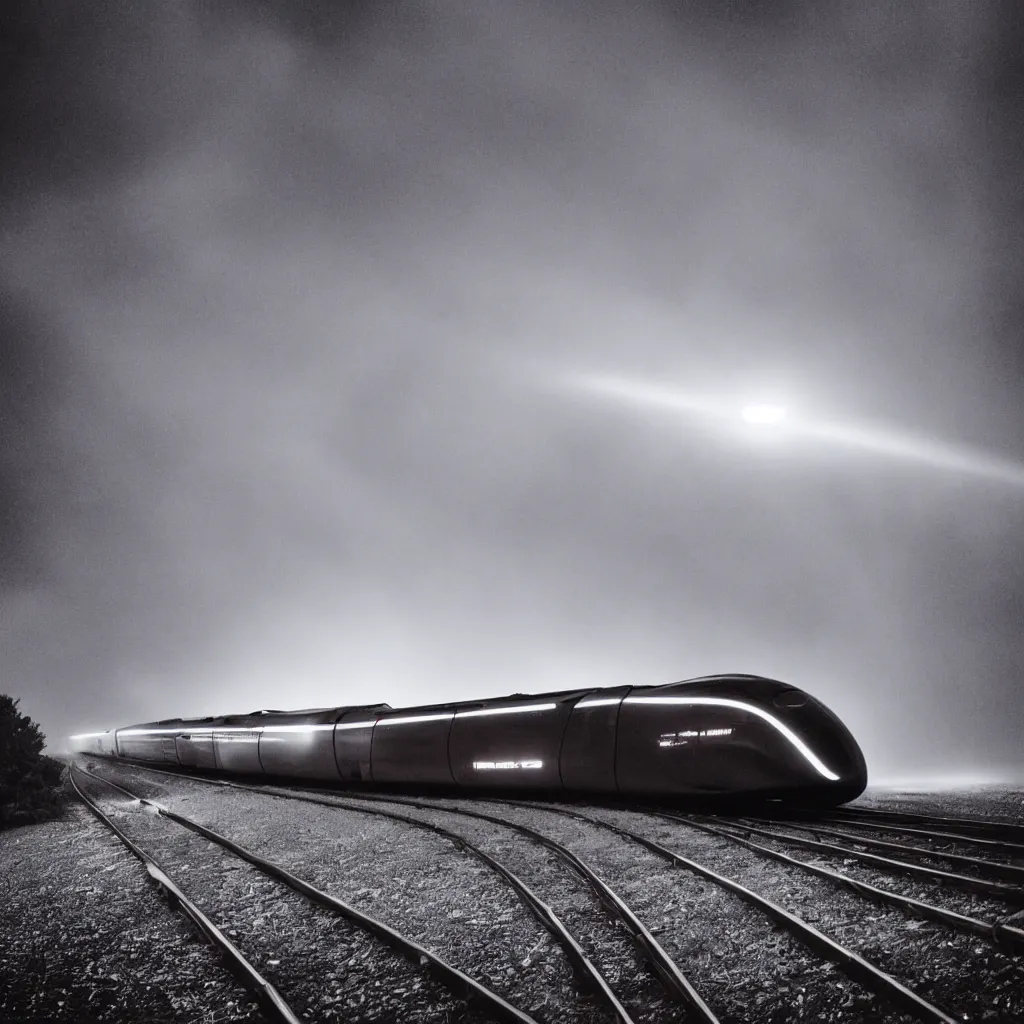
(293, 300)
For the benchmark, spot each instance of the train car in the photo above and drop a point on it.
(717, 736)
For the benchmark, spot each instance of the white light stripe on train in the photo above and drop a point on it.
(518, 709)
(324, 727)
(602, 702)
(406, 719)
(402, 720)
(752, 709)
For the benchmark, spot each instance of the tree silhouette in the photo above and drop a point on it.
(29, 781)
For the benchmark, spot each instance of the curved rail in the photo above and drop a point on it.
(997, 890)
(541, 911)
(1002, 933)
(266, 994)
(995, 845)
(1008, 872)
(412, 951)
(856, 967)
(1004, 830)
(663, 965)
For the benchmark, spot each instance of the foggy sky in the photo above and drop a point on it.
(293, 297)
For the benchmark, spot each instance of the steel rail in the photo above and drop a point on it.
(1006, 830)
(998, 890)
(1009, 872)
(266, 994)
(1008, 849)
(418, 955)
(855, 966)
(658, 959)
(663, 965)
(999, 932)
(540, 910)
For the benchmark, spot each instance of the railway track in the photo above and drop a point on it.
(489, 1003)
(270, 1000)
(981, 866)
(1005, 831)
(640, 1001)
(938, 837)
(1003, 930)
(899, 995)
(998, 964)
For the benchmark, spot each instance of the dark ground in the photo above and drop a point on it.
(84, 936)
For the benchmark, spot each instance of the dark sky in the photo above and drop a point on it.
(296, 296)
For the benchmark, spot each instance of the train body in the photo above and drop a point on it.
(717, 736)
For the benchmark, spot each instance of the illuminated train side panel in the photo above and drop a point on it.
(153, 742)
(517, 741)
(296, 744)
(719, 735)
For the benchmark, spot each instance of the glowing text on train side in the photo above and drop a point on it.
(485, 766)
(679, 739)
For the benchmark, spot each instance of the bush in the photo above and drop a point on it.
(30, 782)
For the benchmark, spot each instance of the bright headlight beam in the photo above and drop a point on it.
(890, 444)
(763, 413)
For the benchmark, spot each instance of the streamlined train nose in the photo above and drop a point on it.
(825, 733)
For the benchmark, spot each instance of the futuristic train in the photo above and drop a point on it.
(717, 736)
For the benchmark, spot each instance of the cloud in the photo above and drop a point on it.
(310, 286)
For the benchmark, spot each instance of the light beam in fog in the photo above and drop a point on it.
(852, 436)
(764, 414)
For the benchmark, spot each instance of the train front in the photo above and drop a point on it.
(736, 736)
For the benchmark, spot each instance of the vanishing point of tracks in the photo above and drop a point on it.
(656, 916)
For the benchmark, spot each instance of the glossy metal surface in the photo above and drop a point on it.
(725, 735)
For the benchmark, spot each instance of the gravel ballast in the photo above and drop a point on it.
(746, 967)
(85, 936)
